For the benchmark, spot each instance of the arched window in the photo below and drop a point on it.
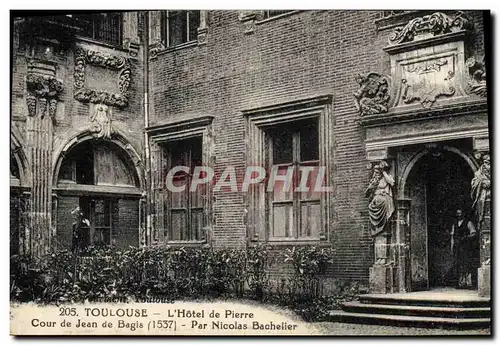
(99, 179)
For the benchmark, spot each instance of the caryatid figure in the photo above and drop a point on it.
(381, 202)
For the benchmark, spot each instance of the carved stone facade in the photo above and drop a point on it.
(49, 56)
(420, 100)
(433, 118)
(83, 93)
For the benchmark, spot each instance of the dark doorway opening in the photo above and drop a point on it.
(438, 185)
(448, 189)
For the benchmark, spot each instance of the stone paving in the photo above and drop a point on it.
(337, 328)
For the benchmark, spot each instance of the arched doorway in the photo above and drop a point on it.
(98, 178)
(438, 184)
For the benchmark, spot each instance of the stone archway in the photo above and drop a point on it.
(117, 139)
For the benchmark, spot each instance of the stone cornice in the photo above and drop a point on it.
(420, 114)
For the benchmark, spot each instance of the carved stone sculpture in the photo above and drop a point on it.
(84, 94)
(381, 203)
(373, 95)
(100, 122)
(42, 89)
(481, 189)
(434, 24)
(477, 76)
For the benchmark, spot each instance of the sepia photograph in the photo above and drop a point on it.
(250, 172)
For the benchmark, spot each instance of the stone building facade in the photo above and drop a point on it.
(98, 124)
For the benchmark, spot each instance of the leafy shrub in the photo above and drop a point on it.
(169, 273)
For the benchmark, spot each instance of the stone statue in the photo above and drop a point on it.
(100, 122)
(379, 192)
(481, 190)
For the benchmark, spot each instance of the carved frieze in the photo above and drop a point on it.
(83, 93)
(372, 97)
(100, 122)
(42, 90)
(430, 25)
(476, 76)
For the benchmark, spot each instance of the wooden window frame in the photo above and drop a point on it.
(297, 199)
(96, 22)
(189, 209)
(165, 31)
(160, 137)
(266, 14)
(259, 121)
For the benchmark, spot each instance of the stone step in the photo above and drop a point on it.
(426, 300)
(408, 321)
(412, 310)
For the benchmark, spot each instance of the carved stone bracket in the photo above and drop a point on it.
(43, 92)
(373, 95)
(155, 48)
(434, 24)
(248, 18)
(476, 76)
(118, 63)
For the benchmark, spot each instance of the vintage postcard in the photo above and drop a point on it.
(250, 172)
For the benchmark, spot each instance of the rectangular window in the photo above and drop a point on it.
(180, 27)
(184, 209)
(274, 13)
(294, 210)
(104, 27)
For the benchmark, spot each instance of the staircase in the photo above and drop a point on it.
(460, 309)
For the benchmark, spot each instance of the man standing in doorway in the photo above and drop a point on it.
(463, 247)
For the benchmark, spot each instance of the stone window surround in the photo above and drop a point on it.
(200, 126)
(258, 119)
(157, 45)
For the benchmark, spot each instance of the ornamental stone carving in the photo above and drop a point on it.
(419, 89)
(373, 95)
(100, 122)
(43, 92)
(381, 202)
(481, 189)
(476, 76)
(83, 93)
(434, 24)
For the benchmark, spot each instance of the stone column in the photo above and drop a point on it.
(42, 98)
